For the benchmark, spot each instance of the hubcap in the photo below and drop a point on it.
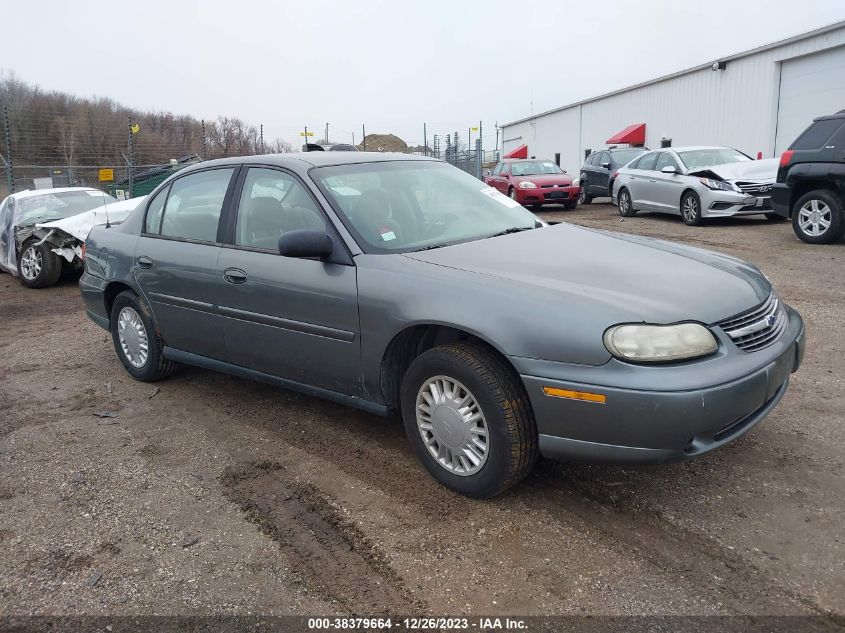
(690, 208)
(513, 194)
(624, 203)
(452, 425)
(31, 263)
(133, 337)
(814, 217)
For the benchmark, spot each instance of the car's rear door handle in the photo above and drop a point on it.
(144, 262)
(652, 179)
(234, 275)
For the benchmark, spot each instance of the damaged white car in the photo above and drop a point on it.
(44, 231)
(696, 183)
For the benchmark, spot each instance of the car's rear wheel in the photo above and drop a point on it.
(625, 204)
(817, 217)
(38, 265)
(468, 419)
(691, 209)
(136, 340)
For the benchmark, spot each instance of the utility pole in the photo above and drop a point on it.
(10, 171)
(261, 137)
(425, 141)
(204, 155)
(327, 132)
(131, 157)
(364, 136)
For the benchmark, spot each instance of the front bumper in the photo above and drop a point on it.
(718, 204)
(547, 195)
(781, 194)
(642, 425)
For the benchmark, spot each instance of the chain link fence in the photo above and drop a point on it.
(128, 154)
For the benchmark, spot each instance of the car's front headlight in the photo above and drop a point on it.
(527, 184)
(717, 185)
(576, 182)
(659, 343)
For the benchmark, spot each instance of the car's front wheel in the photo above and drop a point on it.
(512, 193)
(691, 209)
(468, 419)
(38, 266)
(136, 341)
(817, 217)
(626, 204)
(584, 197)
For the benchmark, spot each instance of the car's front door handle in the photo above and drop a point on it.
(652, 179)
(144, 262)
(234, 275)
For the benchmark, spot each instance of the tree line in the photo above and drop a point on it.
(56, 128)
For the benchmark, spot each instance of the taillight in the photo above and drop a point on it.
(786, 157)
(614, 175)
(83, 250)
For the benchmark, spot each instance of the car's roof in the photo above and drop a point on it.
(29, 193)
(526, 160)
(696, 147)
(316, 159)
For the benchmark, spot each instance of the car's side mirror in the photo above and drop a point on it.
(305, 243)
(606, 165)
(669, 169)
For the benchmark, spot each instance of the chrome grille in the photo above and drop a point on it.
(755, 188)
(759, 327)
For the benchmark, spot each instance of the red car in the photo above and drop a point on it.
(533, 182)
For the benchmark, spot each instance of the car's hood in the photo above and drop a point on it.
(547, 179)
(756, 170)
(81, 224)
(635, 278)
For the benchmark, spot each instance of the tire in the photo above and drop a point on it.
(826, 208)
(511, 447)
(774, 218)
(536, 207)
(138, 325)
(38, 266)
(583, 196)
(512, 193)
(572, 204)
(625, 204)
(691, 209)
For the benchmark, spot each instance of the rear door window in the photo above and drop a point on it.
(817, 135)
(194, 205)
(647, 162)
(154, 211)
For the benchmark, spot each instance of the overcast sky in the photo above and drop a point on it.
(388, 64)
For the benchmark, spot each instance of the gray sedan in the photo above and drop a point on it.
(696, 183)
(396, 283)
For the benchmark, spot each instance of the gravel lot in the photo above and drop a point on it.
(212, 494)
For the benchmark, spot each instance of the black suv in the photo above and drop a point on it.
(596, 172)
(810, 186)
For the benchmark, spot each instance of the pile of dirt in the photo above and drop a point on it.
(383, 143)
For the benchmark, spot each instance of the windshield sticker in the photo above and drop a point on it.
(499, 197)
(386, 234)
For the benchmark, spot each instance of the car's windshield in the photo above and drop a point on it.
(401, 206)
(697, 158)
(534, 167)
(625, 156)
(59, 205)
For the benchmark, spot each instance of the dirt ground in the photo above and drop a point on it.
(211, 494)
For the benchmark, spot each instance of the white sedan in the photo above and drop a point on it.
(40, 228)
(696, 183)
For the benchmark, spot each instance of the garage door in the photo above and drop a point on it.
(810, 86)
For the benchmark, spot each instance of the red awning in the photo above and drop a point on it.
(632, 135)
(519, 152)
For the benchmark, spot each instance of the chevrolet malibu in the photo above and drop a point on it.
(396, 283)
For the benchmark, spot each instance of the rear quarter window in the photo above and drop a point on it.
(817, 135)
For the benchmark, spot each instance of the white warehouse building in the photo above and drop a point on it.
(758, 102)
